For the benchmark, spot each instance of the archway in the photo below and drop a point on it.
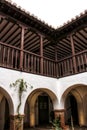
(39, 108)
(71, 110)
(4, 114)
(44, 108)
(74, 96)
(6, 109)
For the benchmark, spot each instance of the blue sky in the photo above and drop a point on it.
(54, 12)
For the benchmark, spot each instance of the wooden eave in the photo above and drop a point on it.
(25, 18)
(60, 38)
(72, 26)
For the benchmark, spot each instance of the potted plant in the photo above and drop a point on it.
(56, 123)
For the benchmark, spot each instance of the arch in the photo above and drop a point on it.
(32, 100)
(49, 92)
(64, 95)
(9, 100)
(39, 91)
(75, 90)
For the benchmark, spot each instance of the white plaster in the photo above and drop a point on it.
(69, 81)
(57, 86)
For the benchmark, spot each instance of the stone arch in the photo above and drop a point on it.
(74, 90)
(6, 108)
(32, 99)
(9, 99)
(64, 95)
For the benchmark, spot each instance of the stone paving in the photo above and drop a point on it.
(50, 128)
(43, 128)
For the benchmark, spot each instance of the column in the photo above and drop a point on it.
(41, 53)
(61, 113)
(22, 47)
(56, 63)
(16, 122)
(73, 52)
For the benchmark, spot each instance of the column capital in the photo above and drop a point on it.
(41, 35)
(2, 17)
(22, 26)
(59, 110)
(16, 116)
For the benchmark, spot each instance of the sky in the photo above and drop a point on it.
(53, 12)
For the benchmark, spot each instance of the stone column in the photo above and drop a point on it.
(16, 122)
(61, 113)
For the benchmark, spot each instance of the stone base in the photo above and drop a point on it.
(16, 122)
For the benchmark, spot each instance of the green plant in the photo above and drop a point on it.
(22, 86)
(57, 123)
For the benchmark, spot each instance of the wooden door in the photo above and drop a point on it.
(43, 109)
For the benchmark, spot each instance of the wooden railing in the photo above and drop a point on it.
(31, 62)
(49, 67)
(10, 57)
(65, 67)
(81, 61)
(72, 65)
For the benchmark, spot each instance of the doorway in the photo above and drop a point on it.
(43, 110)
(39, 108)
(71, 114)
(4, 114)
(7, 116)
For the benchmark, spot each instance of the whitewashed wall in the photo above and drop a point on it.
(57, 86)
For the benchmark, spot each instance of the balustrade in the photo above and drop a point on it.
(10, 58)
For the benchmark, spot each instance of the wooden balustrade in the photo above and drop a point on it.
(31, 62)
(49, 67)
(10, 58)
(66, 66)
(81, 61)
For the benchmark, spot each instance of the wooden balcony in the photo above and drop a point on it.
(29, 45)
(11, 58)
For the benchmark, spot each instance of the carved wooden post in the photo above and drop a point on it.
(73, 53)
(22, 47)
(56, 64)
(41, 53)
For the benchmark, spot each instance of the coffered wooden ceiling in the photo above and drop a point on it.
(59, 39)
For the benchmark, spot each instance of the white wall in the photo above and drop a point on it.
(57, 86)
(71, 82)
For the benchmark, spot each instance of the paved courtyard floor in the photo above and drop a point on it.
(50, 128)
(43, 128)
